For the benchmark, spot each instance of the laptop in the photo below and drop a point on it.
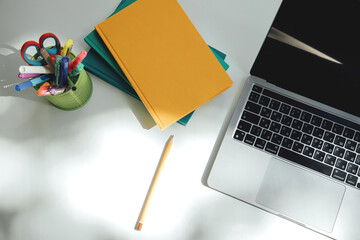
(292, 146)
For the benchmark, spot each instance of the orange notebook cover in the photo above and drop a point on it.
(164, 57)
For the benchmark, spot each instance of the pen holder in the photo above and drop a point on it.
(78, 94)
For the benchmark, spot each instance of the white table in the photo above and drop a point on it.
(83, 175)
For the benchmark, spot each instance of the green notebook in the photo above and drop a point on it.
(94, 64)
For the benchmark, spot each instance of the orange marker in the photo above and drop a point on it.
(77, 60)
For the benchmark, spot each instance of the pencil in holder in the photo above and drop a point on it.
(78, 94)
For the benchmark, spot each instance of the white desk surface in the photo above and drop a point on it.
(83, 175)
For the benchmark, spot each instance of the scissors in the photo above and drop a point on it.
(54, 50)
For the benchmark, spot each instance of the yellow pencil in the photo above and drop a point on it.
(140, 220)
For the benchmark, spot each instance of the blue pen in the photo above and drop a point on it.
(31, 83)
(64, 70)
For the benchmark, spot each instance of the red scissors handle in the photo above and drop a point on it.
(53, 50)
(56, 50)
(24, 48)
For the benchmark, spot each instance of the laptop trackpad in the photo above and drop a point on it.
(300, 195)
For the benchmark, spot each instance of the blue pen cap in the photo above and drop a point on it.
(23, 86)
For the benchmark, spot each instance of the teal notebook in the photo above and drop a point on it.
(110, 70)
(96, 65)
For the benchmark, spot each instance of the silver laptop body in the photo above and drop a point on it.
(249, 167)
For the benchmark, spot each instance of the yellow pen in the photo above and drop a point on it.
(67, 48)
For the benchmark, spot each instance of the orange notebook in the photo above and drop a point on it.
(164, 57)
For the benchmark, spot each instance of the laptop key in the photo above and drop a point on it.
(257, 88)
(285, 131)
(351, 145)
(358, 148)
(337, 128)
(308, 151)
(272, 148)
(239, 135)
(253, 107)
(349, 133)
(305, 116)
(319, 155)
(295, 112)
(250, 117)
(357, 136)
(350, 156)
(245, 126)
(306, 139)
(266, 135)
(287, 143)
(327, 125)
(317, 143)
(265, 123)
(357, 159)
(339, 140)
(265, 112)
(339, 175)
(275, 127)
(276, 116)
(339, 152)
(276, 138)
(260, 143)
(307, 128)
(328, 136)
(286, 120)
(274, 104)
(341, 164)
(249, 139)
(305, 161)
(254, 96)
(284, 108)
(255, 130)
(352, 168)
(318, 132)
(264, 101)
(351, 179)
(295, 135)
(298, 147)
(297, 124)
(316, 121)
(330, 159)
(328, 147)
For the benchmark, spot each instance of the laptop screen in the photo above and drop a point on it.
(324, 64)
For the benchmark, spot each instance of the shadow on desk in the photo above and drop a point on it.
(10, 61)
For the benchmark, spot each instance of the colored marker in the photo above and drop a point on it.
(76, 71)
(64, 70)
(47, 58)
(31, 83)
(57, 68)
(35, 69)
(28, 75)
(43, 90)
(77, 60)
(67, 48)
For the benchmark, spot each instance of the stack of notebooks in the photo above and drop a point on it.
(150, 50)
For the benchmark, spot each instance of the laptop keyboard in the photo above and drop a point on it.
(302, 134)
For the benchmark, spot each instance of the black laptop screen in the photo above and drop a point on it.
(333, 28)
